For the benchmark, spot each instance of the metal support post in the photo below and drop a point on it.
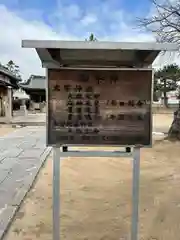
(56, 185)
(135, 193)
(56, 193)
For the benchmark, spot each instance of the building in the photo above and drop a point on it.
(35, 87)
(8, 83)
(20, 94)
(20, 98)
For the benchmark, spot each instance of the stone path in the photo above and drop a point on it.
(22, 153)
(32, 119)
(161, 129)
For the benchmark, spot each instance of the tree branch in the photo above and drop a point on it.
(165, 23)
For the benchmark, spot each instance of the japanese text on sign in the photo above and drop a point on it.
(99, 107)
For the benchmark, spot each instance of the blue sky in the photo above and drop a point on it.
(112, 20)
(51, 5)
(103, 17)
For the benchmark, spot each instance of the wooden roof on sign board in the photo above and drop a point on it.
(55, 54)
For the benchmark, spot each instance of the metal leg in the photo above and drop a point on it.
(65, 148)
(56, 194)
(135, 193)
(128, 149)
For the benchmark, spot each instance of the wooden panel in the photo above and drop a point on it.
(99, 107)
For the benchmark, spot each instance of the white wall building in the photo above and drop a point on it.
(20, 94)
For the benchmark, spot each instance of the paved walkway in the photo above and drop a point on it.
(22, 153)
(31, 119)
(161, 129)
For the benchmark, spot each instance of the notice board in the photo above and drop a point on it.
(99, 107)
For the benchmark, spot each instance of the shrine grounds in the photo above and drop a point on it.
(5, 129)
(96, 197)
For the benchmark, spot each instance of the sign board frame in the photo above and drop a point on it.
(58, 153)
(150, 70)
(58, 55)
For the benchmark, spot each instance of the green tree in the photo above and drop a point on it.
(14, 69)
(166, 80)
(17, 71)
(91, 38)
(156, 91)
(10, 65)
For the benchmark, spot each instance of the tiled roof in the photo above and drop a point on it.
(9, 74)
(12, 79)
(35, 82)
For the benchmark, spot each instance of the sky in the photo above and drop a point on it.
(109, 20)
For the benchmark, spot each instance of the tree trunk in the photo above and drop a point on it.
(165, 94)
(174, 131)
(165, 100)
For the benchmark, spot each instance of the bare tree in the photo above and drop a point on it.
(164, 23)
